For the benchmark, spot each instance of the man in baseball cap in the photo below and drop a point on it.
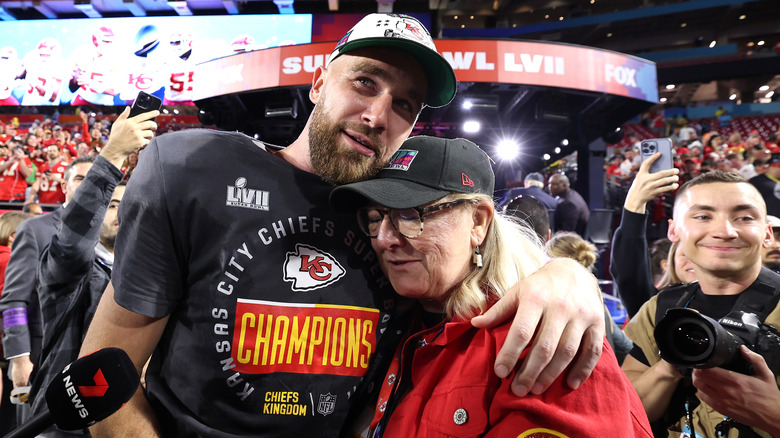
(367, 99)
(407, 34)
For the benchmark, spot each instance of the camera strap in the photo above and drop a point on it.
(762, 296)
(728, 423)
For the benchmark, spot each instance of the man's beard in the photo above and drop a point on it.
(336, 164)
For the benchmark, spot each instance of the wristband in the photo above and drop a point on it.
(14, 316)
(20, 395)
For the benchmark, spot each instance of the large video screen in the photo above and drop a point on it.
(108, 61)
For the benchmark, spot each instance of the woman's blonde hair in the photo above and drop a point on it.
(8, 223)
(571, 245)
(510, 252)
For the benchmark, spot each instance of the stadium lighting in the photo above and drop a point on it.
(712, 44)
(557, 150)
(565, 142)
(546, 157)
(670, 87)
(733, 96)
(508, 150)
(770, 94)
(763, 88)
(663, 99)
(467, 105)
(471, 126)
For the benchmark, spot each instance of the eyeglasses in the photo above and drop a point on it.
(408, 222)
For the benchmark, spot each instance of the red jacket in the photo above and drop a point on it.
(453, 379)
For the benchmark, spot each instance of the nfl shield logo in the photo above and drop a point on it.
(327, 404)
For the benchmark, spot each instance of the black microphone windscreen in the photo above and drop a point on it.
(92, 388)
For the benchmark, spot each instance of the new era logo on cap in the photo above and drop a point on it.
(466, 180)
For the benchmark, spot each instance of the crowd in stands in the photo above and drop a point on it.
(33, 156)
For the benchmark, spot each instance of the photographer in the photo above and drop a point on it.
(720, 224)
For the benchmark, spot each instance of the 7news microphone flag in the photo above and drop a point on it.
(85, 392)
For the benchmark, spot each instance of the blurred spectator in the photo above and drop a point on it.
(678, 268)
(760, 165)
(572, 213)
(129, 165)
(533, 186)
(8, 223)
(687, 133)
(15, 168)
(739, 164)
(533, 213)
(631, 163)
(770, 255)
(659, 252)
(697, 150)
(724, 165)
(83, 149)
(735, 141)
(675, 135)
(771, 141)
(32, 209)
(767, 185)
(47, 187)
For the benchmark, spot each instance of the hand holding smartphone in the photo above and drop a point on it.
(143, 103)
(651, 146)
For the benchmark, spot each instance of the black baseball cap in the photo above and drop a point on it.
(408, 35)
(424, 170)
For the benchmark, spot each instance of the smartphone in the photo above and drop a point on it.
(662, 145)
(143, 103)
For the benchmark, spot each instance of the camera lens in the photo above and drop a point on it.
(690, 338)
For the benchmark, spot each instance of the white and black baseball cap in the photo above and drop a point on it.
(424, 170)
(407, 34)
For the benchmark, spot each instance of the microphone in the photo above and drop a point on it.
(85, 392)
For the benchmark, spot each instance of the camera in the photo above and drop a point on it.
(649, 148)
(688, 339)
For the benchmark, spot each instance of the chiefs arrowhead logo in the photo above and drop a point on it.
(100, 388)
(309, 268)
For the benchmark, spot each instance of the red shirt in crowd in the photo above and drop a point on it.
(50, 191)
(12, 183)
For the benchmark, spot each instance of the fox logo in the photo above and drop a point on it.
(309, 268)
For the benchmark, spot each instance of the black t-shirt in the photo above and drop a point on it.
(276, 302)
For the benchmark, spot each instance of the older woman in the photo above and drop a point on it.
(440, 241)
